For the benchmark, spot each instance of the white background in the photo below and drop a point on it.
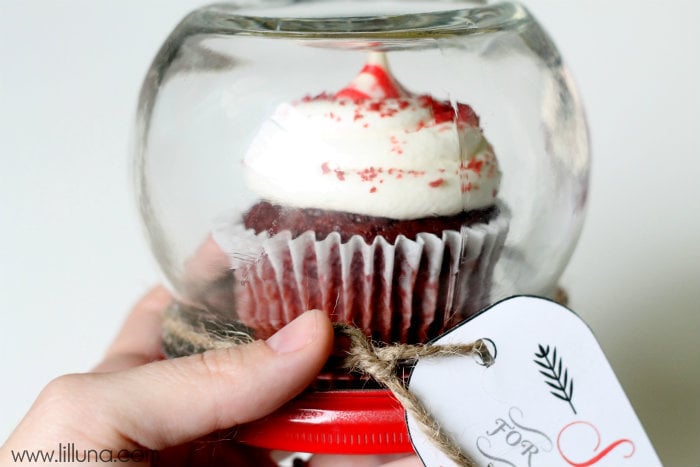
(72, 258)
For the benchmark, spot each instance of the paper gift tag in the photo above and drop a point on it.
(550, 398)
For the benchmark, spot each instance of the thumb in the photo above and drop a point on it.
(170, 402)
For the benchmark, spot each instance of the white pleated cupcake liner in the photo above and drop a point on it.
(405, 291)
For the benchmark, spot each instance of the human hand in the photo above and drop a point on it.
(136, 403)
(139, 409)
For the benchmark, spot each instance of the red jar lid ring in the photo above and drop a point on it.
(357, 421)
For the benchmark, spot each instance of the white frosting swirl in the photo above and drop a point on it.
(402, 157)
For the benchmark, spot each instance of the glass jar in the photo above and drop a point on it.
(246, 110)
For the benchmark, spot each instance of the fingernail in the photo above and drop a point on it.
(295, 335)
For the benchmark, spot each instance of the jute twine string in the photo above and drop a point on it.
(186, 332)
(381, 364)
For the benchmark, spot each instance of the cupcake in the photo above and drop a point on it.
(376, 205)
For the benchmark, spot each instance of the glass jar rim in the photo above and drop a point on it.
(229, 19)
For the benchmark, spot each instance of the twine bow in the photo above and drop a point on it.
(381, 364)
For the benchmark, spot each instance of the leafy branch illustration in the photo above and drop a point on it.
(562, 385)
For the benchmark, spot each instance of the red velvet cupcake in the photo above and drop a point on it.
(376, 205)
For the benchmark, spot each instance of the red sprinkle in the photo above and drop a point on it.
(369, 174)
(475, 165)
(324, 96)
(396, 145)
(325, 169)
(436, 183)
(443, 111)
(373, 189)
(467, 115)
